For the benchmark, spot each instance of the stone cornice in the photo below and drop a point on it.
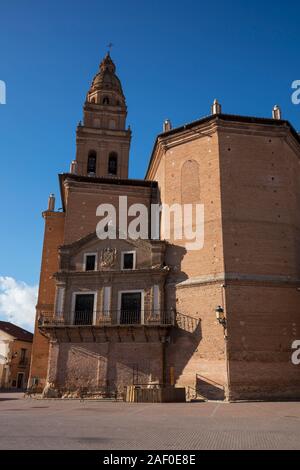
(228, 279)
(85, 132)
(167, 142)
(102, 188)
(210, 124)
(110, 274)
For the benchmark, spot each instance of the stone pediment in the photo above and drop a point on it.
(79, 244)
(108, 252)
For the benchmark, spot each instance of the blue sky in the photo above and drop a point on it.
(173, 59)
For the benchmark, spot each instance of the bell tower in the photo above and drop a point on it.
(102, 140)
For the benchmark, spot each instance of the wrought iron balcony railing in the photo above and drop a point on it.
(23, 361)
(107, 318)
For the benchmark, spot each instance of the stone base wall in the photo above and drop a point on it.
(263, 322)
(104, 366)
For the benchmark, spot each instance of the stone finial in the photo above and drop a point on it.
(276, 112)
(167, 126)
(216, 107)
(51, 203)
(73, 167)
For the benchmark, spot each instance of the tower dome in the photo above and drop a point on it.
(105, 82)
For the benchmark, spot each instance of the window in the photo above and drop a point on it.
(105, 100)
(90, 262)
(128, 260)
(84, 308)
(131, 308)
(23, 356)
(20, 380)
(113, 163)
(112, 124)
(92, 160)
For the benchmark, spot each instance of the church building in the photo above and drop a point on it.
(219, 320)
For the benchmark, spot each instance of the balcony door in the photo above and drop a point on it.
(84, 309)
(131, 308)
(20, 380)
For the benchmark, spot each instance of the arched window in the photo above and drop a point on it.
(92, 161)
(93, 100)
(113, 163)
(105, 100)
(112, 124)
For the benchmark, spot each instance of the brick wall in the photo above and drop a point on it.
(249, 179)
(53, 237)
(260, 178)
(188, 171)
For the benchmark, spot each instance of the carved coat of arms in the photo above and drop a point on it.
(108, 257)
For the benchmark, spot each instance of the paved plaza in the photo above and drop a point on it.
(27, 423)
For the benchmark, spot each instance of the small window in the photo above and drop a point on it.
(90, 262)
(35, 381)
(105, 100)
(128, 260)
(112, 124)
(23, 356)
(92, 161)
(113, 164)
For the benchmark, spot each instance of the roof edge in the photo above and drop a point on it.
(224, 117)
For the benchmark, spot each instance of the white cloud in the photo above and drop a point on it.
(17, 302)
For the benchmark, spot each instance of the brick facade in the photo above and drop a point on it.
(248, 173)
(245, 172)
(53, 237)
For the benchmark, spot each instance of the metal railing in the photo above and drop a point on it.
(187, 323)
(107, 318)
(193, 394)
(206, 380)
(23, 361)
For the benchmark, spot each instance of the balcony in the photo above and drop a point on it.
(108, 318)
(23, 362)
(112, 325)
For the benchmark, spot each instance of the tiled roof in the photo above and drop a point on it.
(224, 117)
(16, 331)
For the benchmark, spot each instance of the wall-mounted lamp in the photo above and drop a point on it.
(220, 316)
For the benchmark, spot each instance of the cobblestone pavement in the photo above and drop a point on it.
(57, 424)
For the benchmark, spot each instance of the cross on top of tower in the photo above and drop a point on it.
(110, 46)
